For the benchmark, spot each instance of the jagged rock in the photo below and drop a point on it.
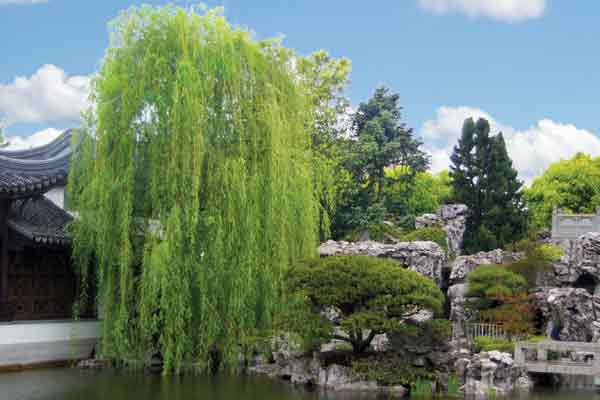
(490, 372)
(333, 314)
(306, 371)
(461, 267)
(91, 363)
(285, 349)
(581, 259)
(571, 313)
(427, 221)
(452, 219)
(426, 258)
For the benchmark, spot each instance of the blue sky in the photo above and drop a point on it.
(531, 66)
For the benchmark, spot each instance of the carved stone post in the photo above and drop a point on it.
(519, 356)
(542, 354)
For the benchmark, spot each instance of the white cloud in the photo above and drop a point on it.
(532, 150)
(49, 95)
(37, 139)
(21, 2)
(504, 10)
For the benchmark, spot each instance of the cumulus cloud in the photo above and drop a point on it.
(21, 2)
(37, 139)
(503, 10)
(49, 95)
(532, 150)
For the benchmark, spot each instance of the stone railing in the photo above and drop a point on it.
(572, 358)
(475, 329)
(571, 226)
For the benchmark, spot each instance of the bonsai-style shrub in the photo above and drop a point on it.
(372, 295)
(488, 283)
(500, 296)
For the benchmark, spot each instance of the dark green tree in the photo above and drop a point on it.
(484, 179)
(381, 140)
(372, 295)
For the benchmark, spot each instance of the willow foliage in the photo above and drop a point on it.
(198, 192)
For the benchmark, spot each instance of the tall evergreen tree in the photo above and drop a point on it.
(384, 140)
(381, 140)
(484, 179)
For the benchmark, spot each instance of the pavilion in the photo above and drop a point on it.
(38, 285)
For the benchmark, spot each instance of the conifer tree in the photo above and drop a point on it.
(484, 179)
(382, 140)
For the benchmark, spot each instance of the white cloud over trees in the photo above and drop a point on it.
(532, 149)
(503, 10)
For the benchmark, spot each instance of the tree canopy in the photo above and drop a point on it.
(572, 185)
(325, 80)
(371, 294)
(484, 179)
(423, 195)
(197, 191)
(380, 140)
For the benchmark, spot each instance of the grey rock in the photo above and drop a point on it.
(490, 372)
(452, 219)
(571, 311)
(581, 259)
(426, 258)
(308, 372)
(461, 267)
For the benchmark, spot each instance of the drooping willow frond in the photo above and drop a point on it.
(199, 192)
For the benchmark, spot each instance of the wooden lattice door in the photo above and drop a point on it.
(41, 284)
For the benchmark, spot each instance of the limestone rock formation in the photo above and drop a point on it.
(463, 265)
(426, 258)
(452, 218)
(460, 268)
(580, 264)
(573, 314)
(490, 373)
(301, 370)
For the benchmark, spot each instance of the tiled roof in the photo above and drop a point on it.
(24, 173)
(40, 220)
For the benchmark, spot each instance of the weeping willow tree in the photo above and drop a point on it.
(196, 192)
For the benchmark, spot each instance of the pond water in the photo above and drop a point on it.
(72, 384)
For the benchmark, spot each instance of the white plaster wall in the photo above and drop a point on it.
(41, 331)
(23, 343)
(57, 196)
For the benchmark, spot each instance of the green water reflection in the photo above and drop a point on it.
(71, 384)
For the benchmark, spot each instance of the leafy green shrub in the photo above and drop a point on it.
(453, 387)
(422, 388)
(490, 282)
(439, 330)
(370, 293)
(485, 343)
(500, 296)
(537, 257)
(375, 231)
(432, 234)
